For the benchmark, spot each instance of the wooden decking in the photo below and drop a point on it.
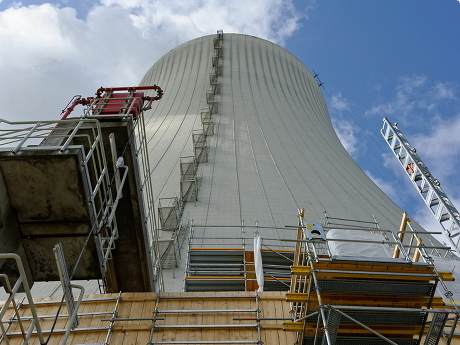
(181, 318)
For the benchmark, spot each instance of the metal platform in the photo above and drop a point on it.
(48, 198)
(63, 182)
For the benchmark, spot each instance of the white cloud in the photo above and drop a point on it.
(390, 162)
(347, 135)
(36, 33)
(402, 102)
(444, 91)
(439, 150)
(339, 103)
(274, 20)
(50, 54)
(385, 186)
(408, 84)
(415, 95)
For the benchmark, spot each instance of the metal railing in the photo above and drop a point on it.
(21, 281)
(214, 258)
(307, 282)
(76, 135)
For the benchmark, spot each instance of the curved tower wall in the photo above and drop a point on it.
(274, 149)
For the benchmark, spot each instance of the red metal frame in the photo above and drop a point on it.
(114, 100)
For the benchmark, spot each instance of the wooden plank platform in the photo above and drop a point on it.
(184, 318)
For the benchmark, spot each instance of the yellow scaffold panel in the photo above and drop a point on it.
(355, 329)
(369, 300)
(307, 270)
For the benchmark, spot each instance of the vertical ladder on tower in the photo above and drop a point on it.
(429, 188)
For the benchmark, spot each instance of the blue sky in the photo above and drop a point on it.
(391, 58)
(398, 59)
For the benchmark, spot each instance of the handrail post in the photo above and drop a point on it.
(28, 135)
(401, 233)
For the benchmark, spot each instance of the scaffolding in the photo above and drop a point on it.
(227, 263)
(165, 318)
(367, 300)
(60, 324)
(81, 174)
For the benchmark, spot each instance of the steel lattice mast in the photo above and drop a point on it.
(428, 187)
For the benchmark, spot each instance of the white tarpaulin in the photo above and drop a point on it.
(379, 251)
(375, 250)
(258, 263)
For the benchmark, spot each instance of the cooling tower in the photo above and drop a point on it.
(243, 133)
(261, 216)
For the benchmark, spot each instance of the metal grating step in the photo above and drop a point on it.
(361, 341)
(228, 256)
(381, 318)
(214, 285)
(285, 258)
(275, 285)
(376, 287)
(333, 323)
(215, 269)
(436, 328)
(277, 271)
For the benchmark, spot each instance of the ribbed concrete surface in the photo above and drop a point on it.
(274, 149)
